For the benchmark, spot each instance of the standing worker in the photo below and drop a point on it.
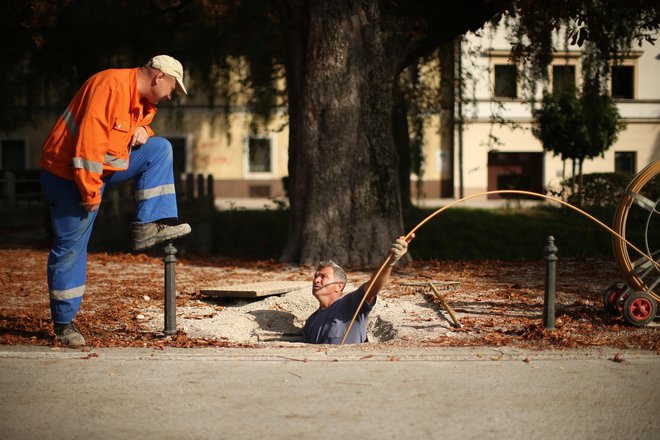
(328, 324)
(103, 138)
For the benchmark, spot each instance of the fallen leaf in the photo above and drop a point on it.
(618, 358)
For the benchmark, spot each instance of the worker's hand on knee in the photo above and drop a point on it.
(399, 249)
(140, 137)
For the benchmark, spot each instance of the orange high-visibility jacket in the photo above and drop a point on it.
(91, 139)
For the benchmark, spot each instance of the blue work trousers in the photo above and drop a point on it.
(151, 168)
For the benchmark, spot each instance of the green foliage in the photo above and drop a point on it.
(600, 190)
(611, 27)
(604, 190)
(602, 122)
(559, 125)
(456, 234)
(468, 234)
(250, 234)
(50, 47)
(601, 117)
(577, 128)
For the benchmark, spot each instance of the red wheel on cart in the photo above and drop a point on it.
(613, 299)
(639, 309)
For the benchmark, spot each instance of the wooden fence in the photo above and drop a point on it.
(22, 206)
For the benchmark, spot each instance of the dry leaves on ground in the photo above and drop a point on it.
(498, 303)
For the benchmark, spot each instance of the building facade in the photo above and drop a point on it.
(492, 147)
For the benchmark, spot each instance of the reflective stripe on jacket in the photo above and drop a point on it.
(91, 138)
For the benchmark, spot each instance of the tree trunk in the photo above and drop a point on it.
(344, 190)
(563, 179)
(580, 182)
(573, 177)
(448, 84)
(401, 138)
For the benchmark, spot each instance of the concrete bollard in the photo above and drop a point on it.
(550, 286)
(170, 290)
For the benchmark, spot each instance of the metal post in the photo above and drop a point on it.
(549, 296)
(170, 290)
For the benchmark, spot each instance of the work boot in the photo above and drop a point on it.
(145, 235)
(69, 335)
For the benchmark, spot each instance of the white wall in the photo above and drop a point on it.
(641, 115)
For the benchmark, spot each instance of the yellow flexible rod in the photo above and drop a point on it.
(487, 193)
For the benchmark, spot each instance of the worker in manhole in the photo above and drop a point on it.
(337, 312)
(103, 138)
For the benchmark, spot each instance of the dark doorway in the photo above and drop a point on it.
(519, 171)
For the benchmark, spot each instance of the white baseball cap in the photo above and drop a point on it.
(171, 66)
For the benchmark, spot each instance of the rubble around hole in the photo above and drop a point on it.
(280, 318)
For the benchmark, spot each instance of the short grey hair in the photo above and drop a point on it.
(340, 275)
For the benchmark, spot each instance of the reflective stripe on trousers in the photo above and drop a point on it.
(151, 167)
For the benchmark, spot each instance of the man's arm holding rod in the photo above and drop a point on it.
(398, 250)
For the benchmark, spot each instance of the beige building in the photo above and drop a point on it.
(250, 164)
(496, 143)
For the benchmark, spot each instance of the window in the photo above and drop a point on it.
(260, 155)
(623, 82)
(506, 81)
(12, 154)
(563, 79)
(624, 162)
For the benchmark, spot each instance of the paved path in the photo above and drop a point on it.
(316, 393)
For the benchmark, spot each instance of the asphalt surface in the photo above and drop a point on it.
(321, 392)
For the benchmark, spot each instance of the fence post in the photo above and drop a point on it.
(190, 188)
(210, 190)
(10, 189)
(115, 203)
(550, 286)
(177, 185)
(200, 187)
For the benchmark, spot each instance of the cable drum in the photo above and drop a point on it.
(642, 274)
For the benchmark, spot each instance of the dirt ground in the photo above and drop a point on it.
(497, 303)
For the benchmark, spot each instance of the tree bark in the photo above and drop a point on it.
(342, 58)
(401, 137)
(342, 163)
(448, 84)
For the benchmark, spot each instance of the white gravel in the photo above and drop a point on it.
(280, 318)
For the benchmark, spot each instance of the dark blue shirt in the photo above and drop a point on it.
(327, 326)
